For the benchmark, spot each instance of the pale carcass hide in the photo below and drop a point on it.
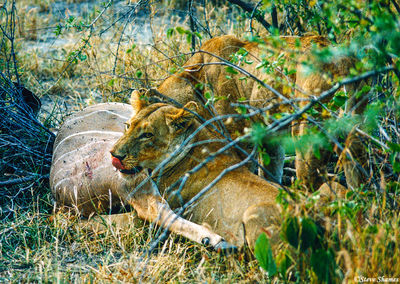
(82, 176)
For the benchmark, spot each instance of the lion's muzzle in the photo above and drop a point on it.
(116, 162)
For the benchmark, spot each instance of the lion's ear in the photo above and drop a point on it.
(183, 118)
(137, 100)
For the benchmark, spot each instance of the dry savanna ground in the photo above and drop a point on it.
(77, 53)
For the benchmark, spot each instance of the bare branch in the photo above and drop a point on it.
(248, 7)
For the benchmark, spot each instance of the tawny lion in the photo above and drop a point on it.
(218, 191)
(238, 207)
(206, 72)
(83, 179)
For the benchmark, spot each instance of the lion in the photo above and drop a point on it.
(220, 193)
(83, 178)
(240, 205)
(85, 183)
(206, 73)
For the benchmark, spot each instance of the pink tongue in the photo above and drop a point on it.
(117, 163)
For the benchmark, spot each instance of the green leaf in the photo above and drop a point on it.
(263, 253)
(266, 158)
(207, 95)
(395, 163)
(111, 82)
(58, 30)
(180, 30)
(290, 231)
(170, 32)
(199, 86)
(198, 35)
(323, 264)
(132, 48)
(71, 19)
(82, 57)
(139, 73)
(339, 100)
(242, 52)
(188, 38)
(396, 167)
(372, 229)
(317, 152)
(284, 262)
(394, 147)
(231, 70)
(308, 233)
(365, 89)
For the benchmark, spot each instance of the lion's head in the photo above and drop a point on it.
(153, 133)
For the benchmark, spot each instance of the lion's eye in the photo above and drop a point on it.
(146, 135)
(127, 125)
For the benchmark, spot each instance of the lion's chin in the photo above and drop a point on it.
(132, 171)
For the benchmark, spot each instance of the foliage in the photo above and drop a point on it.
(369, 32)
(98, 55)
(263, 253)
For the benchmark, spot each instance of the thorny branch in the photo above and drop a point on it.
(25, 144)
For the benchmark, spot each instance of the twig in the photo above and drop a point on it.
(207, 27)
(252, 16)
(248, 7)
(396, 6)
(18, 180)
(192, 25)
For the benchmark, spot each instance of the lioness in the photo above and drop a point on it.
(83, 179)
(236, 203)
(75, 183)
(203, 73)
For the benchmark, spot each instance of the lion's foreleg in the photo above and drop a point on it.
(276, 154)
(354, 160)
(152, 207)
(310, 169)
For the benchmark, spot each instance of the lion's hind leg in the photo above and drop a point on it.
(261, 218)
(354, 160)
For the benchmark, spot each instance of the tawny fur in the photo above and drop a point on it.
(84, 181)
(214, 78)
(239, 207)
(79, 181)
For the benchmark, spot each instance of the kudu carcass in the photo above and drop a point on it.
(83, 179)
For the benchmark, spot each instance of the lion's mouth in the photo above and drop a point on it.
(132, 171)
(118, 165)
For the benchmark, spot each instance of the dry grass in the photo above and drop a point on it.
(37, 247)
(49, 70)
